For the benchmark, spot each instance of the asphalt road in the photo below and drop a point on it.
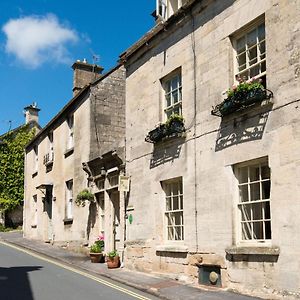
(27, 276)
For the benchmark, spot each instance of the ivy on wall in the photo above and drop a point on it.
(12, 156)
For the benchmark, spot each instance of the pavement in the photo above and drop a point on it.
(158, 285)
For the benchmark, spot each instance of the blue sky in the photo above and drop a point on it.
(40, 39)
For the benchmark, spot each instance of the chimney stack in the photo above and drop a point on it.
(31, 113)
(84, 73)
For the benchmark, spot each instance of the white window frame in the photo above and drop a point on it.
(51, 148)
(101, 203)
(166, 8)
(34, 209)
(35, 158)
(248, 187)
(173, 189)
(70, 122)
(172, 85)
(260, 55)
(69, 199)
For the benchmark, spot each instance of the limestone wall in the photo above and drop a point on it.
(202, 48)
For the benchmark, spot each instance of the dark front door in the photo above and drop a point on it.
(48, 209)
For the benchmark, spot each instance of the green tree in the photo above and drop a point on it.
(12, 156)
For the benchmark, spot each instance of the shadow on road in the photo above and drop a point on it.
(14, 283)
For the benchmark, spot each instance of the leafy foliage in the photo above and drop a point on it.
(112, 254)
(12, 166)
(96, 248)
(244, 87)
(84, 195)
(174, 118)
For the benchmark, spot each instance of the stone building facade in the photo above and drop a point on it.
(90, 125)
(216, 202)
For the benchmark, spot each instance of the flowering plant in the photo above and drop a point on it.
(98, 245)
(244, 86)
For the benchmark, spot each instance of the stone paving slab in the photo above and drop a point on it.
(160, 286)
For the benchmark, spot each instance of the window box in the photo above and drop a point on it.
(68, 221)
(241, 100)
(69, 152)
(173, 126)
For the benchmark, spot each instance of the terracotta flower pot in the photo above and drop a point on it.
(96, 257)
(113, 262)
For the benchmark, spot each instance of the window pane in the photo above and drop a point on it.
(174, 83)
(179, 80)
(170, 221)
(258, 233)
(168, 100)
(255, 191)
(245, 75)
(169, 113)
(267, 210)
(179, 95)
(252, 54)
(241, 61)
(251, 38)
(175, 203)
(168, 203)
(263, 66)
(170, 233)
(244, 193)
(246, 231)
(265, 172)
(246, 212)
(241, 45)
(262, 49)
(178, 235)
(257, 211)
(177, 110)
(168, 86)
(178, 219)
(265, 189)
(181, 202)
(261, 32)
(243, 175)
(174, 97)
(268, 230)
(254, 71)
(254, 173)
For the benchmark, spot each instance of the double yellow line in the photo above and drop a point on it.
(104, 282)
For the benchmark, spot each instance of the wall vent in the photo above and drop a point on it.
(210, 275)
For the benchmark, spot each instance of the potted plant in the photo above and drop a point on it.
(175, 124)
(113, 259)
(96, 250)
(84, 195)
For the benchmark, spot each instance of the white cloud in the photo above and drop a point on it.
(35, 40)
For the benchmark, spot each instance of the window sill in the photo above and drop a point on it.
(172, 248)
(49, 164)
(34, 174)
(268, 254)
(68, 221)
(68, 152)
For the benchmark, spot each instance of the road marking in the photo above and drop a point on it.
(104, 282)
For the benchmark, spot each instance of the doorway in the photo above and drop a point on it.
(48, 210)
(116, 228)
